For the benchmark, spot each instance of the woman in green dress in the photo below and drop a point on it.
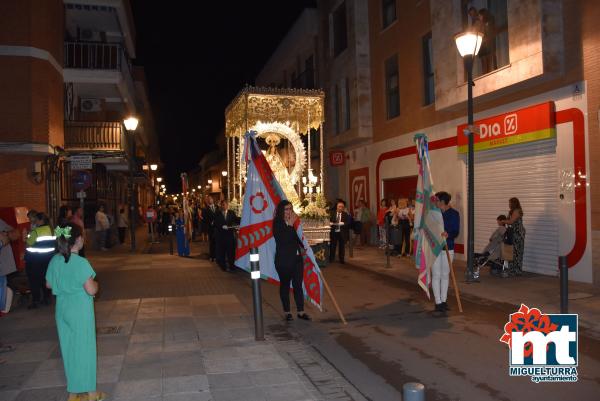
(71, 279)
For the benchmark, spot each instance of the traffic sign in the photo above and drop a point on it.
(82, 180)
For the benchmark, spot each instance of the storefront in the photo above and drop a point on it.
(534, 149)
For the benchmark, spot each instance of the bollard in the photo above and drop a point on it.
(171, 239)
(564, 284)
(413, 392)
(259, 332)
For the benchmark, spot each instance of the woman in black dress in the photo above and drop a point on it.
(288, 259)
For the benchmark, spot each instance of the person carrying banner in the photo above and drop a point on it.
(440, 270)
(340, 226)
(288, 258)
(225, 219)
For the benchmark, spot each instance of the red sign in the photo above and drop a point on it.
(525, 125)
(359, 187)
(337, 157)
(151, 215)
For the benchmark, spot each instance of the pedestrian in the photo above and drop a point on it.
(339, 234)
(102, 227)
(381, 224)
(7, 263)
(210, 213)
(288, 259)
(64, 215)
(441, 269)
(363, 215)
(487, 49)
(225, 220)
(183, 246)
(404, 226)
(517, 230)
(122, 225)
(77, 218)
(71, 279)
(40, 249)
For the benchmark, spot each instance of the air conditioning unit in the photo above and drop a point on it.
(90, 35)
(91, 105)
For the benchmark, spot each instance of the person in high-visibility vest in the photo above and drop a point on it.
(41, 247)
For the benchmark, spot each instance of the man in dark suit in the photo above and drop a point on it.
(209, 213)
(225, 219)
(340, 225)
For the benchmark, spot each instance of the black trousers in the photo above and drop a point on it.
(225, 245)
(291, 273)
(122, 232)
(405, 243)
(36, 268)
(337, 238)
(212, 246)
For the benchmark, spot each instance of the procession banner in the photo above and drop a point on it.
(263, 194)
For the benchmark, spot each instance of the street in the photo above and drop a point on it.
(181, 329)
(391, 337)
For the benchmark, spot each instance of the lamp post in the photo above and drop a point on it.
(223, 182)
(468, 44)
(130, 125)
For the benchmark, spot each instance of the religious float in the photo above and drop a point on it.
(289, 127)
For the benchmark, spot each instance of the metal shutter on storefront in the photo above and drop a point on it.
(528, 172)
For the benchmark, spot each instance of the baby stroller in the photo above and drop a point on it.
(495, 255)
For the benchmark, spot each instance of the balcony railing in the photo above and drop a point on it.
(96, 56)
(95, 136)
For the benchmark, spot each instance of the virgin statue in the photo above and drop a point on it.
(280, 170)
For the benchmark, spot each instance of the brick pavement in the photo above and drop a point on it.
(170, 329)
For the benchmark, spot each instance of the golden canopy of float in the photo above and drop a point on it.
(284, 118)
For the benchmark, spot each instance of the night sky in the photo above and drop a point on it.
(196, 61)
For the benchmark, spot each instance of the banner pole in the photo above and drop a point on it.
(335, 304)
(454, 284)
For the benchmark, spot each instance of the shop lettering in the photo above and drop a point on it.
(490, 130)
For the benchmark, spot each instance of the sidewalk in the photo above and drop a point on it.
(184, 348)
(531, 289)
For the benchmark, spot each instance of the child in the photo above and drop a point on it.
(71, 279)
(493, 248)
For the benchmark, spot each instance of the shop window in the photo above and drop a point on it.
(429, 83)
(388, 12)
(392, 87)
(340, 30)
(491, 18)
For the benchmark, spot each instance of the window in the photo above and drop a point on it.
(388, 12)
(340, 32)
(336, 109)
(347, 104)
(392, 88)
(429, 93)
(491, 18)
(309, 73)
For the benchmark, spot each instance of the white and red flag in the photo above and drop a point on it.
(263, 194)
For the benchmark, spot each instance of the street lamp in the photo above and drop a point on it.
(131, 124)
(468, 44)
(223, 182)
(154, 167)
(159, 179)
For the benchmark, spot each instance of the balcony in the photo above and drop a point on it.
(96, 56)
(101, 137)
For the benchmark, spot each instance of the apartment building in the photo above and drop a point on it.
(68, 82)
(536, 106)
